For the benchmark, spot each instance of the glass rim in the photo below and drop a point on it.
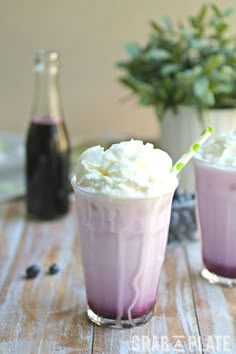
(214, 165)
(105, 196)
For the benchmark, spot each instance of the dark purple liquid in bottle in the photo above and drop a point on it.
(47, 168)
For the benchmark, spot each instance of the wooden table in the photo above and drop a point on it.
(47, 314)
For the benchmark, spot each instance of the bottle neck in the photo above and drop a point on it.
(46, 106)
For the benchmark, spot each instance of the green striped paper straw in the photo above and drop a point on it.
(206, 133)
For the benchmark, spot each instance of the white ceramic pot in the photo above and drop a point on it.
(178, 131)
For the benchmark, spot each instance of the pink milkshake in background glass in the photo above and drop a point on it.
(215, 174)
(123, 198)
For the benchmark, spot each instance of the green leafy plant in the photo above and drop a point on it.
(192, 64)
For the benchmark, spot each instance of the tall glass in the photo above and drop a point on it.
(122, 244)
(216, 197)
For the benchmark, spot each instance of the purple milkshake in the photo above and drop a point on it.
(215, 172)
(123, 221)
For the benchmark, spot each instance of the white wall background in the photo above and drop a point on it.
(90, 35)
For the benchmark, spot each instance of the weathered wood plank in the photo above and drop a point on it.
(216, 307)
(174, 315)
(11, 229)
(45, 315)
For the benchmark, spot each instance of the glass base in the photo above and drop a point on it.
(118, 323)
(213, 278)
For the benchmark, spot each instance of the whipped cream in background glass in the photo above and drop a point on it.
(123, 200)
(130, 169)
(220, 150)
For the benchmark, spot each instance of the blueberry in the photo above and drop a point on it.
(187, 217)
(54, 269)
(177, 193)
(182, 199)
(188, 196)
(32, 271)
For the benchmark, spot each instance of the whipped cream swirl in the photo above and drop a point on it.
(130, 169)
(220, 150)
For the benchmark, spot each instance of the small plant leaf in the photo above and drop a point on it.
(146, 101)
(202, 13)
(202, 91)
(160, 110)
(229, 11)
(189, 76)
(209, 99)
(220, 25)
(158, 54)
(214, 62)
(156, 27)
(216, 10)
(187, 32)
(168, 69)
(196, 43)
(133, 49)
(167, 24)
(201, 86)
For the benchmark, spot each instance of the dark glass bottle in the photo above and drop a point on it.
(47, 144)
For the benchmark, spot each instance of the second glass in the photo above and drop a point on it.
(216, 197)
